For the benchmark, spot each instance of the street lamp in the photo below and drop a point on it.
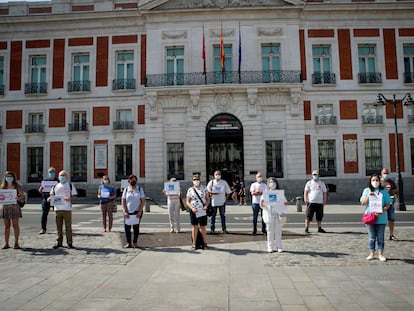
(382, 100)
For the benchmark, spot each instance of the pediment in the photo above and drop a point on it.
(162, 5)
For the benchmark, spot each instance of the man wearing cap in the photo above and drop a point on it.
(315, 196)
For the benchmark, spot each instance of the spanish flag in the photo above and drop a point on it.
(204, 53)
(222, 55)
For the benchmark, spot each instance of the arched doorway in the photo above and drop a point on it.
(224, 147)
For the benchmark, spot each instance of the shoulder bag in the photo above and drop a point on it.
(209, 210)
(369, 219)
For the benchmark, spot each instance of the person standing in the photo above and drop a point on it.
(174, 206)
(388, 184)
(242, 194)
(133, 202)
(374, 196)
(61, 197)
(11, 212)
(219, 191)
(106, 196)
(315, 196)
(44, 189)
(197, 200)
(271, 216)
(256, 191)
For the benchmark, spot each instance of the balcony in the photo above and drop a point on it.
(79, 86)
(123, 125)
(228, 77)
(372, 119)
(323, 78)
(78, 127)
(369, 77)
(35, 88)
(1, 89)
(123, 84)
(34, 128)
(326, 120)
(327, 172)
(408, 77)
(410, 118)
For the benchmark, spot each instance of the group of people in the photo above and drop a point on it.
(267, 200)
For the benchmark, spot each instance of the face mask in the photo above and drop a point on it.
(217, 177)
(385, 176)
(52, 174)
(133, 182)
(9, 179)
(106, 181)
(315, 177)
(62, 179)
(272, 185)
(375, 184)
(260, 179)
(196, 182)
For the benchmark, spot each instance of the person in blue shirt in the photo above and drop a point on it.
(376, 199)
(106, 196)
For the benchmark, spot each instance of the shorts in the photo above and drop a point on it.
(391, 213)
(313, 208)
(200, 220)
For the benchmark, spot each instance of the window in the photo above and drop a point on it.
(325, 115)
(327, 157)
(367, 64)
(79, 163)
(35, 124)
(78, 122)
(373, 156)
(124, 71)
(274, 158)
(271, 62)
(175, 66)
(34, 164)
(408, 63)
(221, 76)
(80, 74)
(370, 114)
(123, 120)
(123, 161)
(1, 76)
(175, 156)
(37, 83)
(321, 56)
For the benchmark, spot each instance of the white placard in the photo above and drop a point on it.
(105, 194)
(100, 157)
(132, 220)
(275, 199)
(8, 196)
(47, 185)
(375, 203)
(201, 212)
(57, 200)
(172, 188)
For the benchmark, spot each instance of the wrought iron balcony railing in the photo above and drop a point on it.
(323, 78)
(372, 119)
(78, 127)
(79, 86)
(35, 128)
(123, 84)
(411, 118)
(1, 129)
(408, 77)
(326, 120)
(123, 125)
(1, 89)
(369, 77)
(35, 88)
(327, 172)
(218, 77)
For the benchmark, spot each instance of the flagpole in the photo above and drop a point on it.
(204, 58)
(240, 55)
(222, 55)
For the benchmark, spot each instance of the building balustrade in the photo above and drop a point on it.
(369, 77)
(123, 84)
(34, 128)
(35, 88)
(219, 77)
(78, 127)
(123, 125)
(323, 78)
(79, 86)
(326, 120)
(372, 119)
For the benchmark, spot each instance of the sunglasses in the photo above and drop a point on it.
(196, 179)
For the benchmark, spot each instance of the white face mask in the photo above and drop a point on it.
(217, 177)
(196, 182)
(375, 184)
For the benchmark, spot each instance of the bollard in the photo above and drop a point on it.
(147, 204)
(299, 204)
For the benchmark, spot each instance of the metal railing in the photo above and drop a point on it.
(369, 77)
(79, 86)
(123, 125)
(35, 88)
(218, 77)
(408, 77)
(78, 127)
(34, 128)
(326, 120)
(123, 84)
(372, 119)
(324, 78)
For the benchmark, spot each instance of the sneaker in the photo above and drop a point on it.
(42, 231)
(212, 232)
(320, 230)
(382, 258)
(254, 232)
(392, 238)
(225, 231)
(70, 245)
(178, 231)
(57, 245)
(171, 230)
(370, 257)
(307, 231)
(127, 245)
(279, 250)
(269, 250)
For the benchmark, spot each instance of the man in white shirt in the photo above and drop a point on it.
(219, 191)
(315, 196)
(256, 191)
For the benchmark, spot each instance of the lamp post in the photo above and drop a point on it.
(382, 100)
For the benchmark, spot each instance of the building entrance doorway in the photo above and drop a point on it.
(224, 147)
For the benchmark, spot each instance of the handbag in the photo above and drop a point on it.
(369, 219)
(114, 206)
(23, 201)
(184, 207)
